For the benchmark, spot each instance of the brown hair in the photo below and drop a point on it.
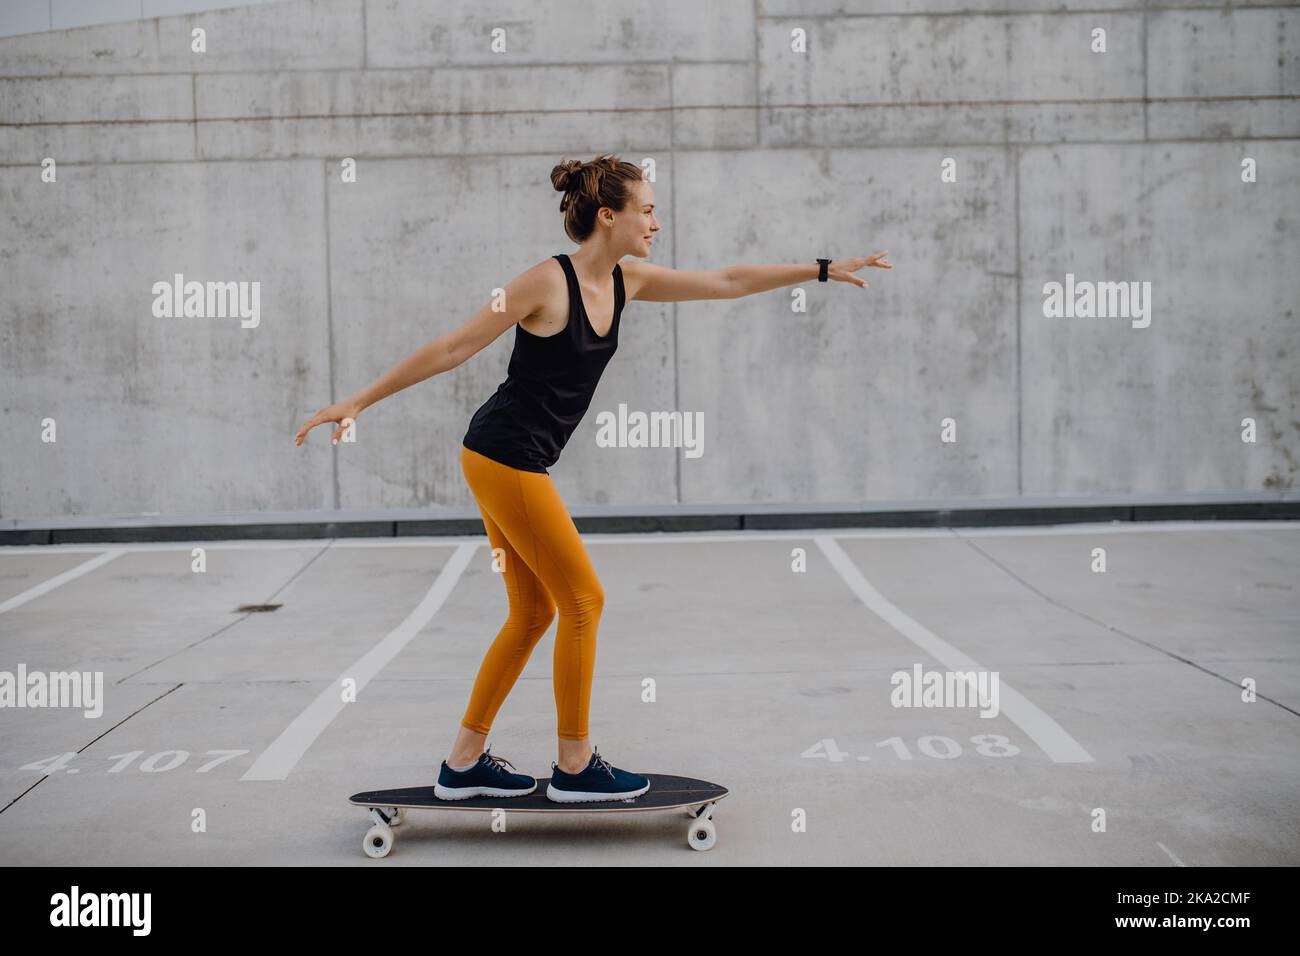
(605, 181)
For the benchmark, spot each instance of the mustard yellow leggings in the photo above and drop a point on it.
(545, 566)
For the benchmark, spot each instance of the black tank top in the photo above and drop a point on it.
(549, 383)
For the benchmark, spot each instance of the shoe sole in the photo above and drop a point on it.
(578, 796)
(464, 793)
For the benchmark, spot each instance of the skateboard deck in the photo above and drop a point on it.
(667, 792)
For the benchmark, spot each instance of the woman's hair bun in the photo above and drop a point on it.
(565, 176)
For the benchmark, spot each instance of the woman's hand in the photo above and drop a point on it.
(338, 412)
(842, 269)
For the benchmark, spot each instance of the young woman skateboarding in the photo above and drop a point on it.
(565, 311)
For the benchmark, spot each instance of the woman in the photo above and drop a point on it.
(566, 312)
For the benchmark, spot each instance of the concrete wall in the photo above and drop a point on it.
(36, 16)
(1116, 166)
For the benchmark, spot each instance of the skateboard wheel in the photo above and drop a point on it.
(379, 840)
(702, 835)
(396, 817)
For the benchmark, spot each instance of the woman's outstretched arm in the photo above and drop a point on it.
(522, 297)
(654, 283)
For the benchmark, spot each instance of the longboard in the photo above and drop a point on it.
(387, 807)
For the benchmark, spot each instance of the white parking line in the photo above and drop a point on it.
(1177, 861)
(1050, 737)
(18, 600)
(277, 760)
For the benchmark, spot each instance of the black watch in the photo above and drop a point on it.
(821, 274)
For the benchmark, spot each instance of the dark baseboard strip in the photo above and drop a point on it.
(770, 519)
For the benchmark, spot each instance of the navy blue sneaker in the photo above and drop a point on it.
(487, 778)
(599, 781)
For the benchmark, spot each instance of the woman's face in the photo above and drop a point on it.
(635, 225)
